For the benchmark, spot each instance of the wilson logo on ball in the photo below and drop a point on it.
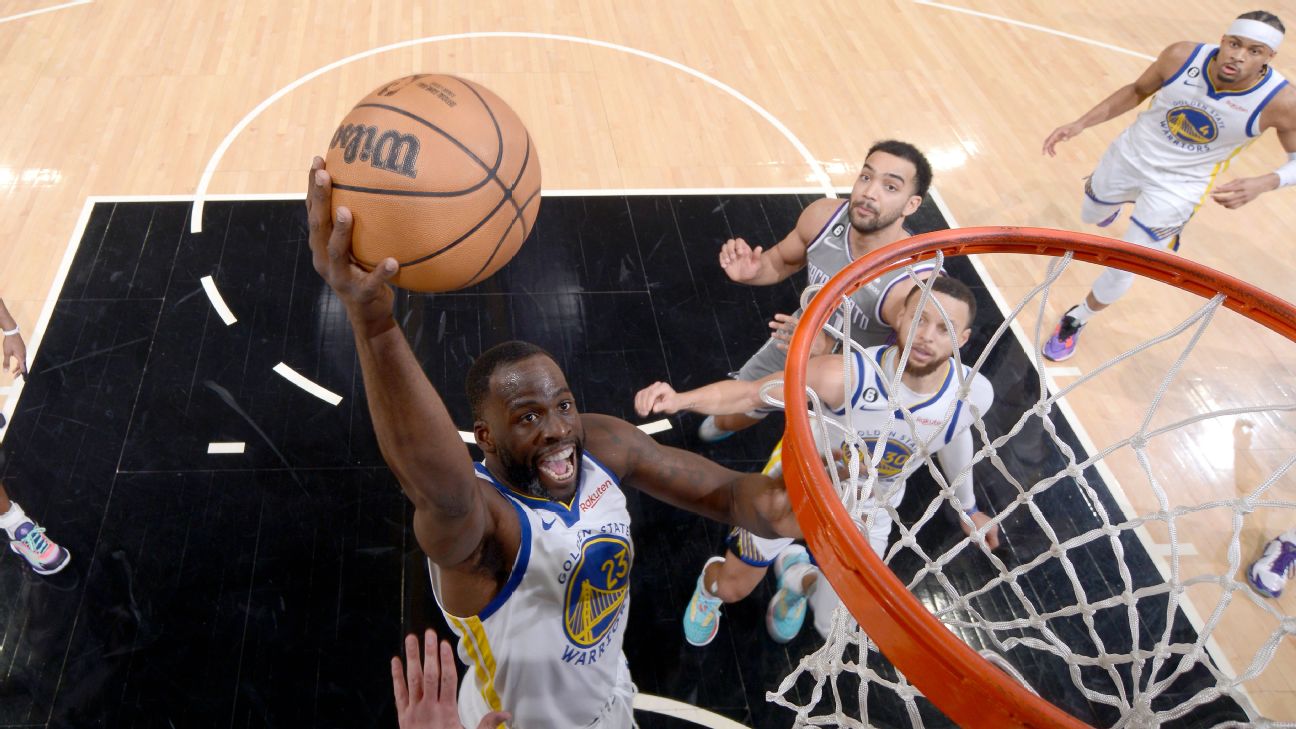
(391, 150)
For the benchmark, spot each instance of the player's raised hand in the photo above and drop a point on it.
(659, 397)
(740, 262)
(980, 519)
(1061, 134)
(782, 327)
(1239, 192)
(425, 690)
(366, 294)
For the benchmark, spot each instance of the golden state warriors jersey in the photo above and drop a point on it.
(1191, 130)
(828, 254)
(548, 647)
(937, 417)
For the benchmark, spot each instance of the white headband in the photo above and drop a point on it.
(1257, 31)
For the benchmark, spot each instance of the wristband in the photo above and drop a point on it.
(9, 332)
(1287, 173)
(972, 511)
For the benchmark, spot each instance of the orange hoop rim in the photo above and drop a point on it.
(968, 689)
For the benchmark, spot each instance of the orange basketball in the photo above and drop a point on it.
(441, 175)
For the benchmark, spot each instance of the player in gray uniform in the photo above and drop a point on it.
(830, 234)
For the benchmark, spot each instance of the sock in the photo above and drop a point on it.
(794, 577)
(1081, 312)
(711, 588)
(12, 519)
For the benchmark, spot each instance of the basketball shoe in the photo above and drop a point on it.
(44, 556)
(787, 609)
(1269, 574)
(702, 617)
(1063, 343)
(709, 432)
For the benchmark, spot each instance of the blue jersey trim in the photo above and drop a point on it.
(616, 480)
(815, 240)
(1151, 233)
(949, 432)
(859, 378)
(1210, 83)
(519, 566)
(731, 545)
(949, 378)
(1255, 115)
(881, 299)
(1187, 62)
(1091, 196)
(569, 513)
(877, 373)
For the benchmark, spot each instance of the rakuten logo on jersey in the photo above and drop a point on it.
(593, 498)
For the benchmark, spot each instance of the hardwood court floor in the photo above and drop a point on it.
(108, 98)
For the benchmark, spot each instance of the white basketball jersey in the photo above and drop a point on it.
(1190, 131)
(937, 417)
(548, 647)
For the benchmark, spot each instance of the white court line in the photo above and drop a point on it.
(292, 376)
(546, 192)
(226, 447)
(47, 311)
(656, 426)
(200, 194)
(1064, 371)
(1104, 471)
(50, 9)
(217, 302)
(1040, 28)
(651, 704)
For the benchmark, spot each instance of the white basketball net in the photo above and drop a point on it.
(1135, 675)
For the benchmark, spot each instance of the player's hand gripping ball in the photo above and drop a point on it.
(439, 174)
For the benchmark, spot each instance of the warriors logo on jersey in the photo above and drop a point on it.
(1190, 127)
(596, 589)
(894, 458)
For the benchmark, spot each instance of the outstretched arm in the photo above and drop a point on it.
(759, 267)
(954, 458)
(1281, 115)
(752, 501)
(418, 439)
(823, 375)
(1126, 97)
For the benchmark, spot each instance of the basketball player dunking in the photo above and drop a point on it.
(1211, 102)
(530, 548)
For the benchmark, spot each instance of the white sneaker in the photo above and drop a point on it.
(709, 433)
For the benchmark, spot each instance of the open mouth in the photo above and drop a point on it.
(559, 466)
